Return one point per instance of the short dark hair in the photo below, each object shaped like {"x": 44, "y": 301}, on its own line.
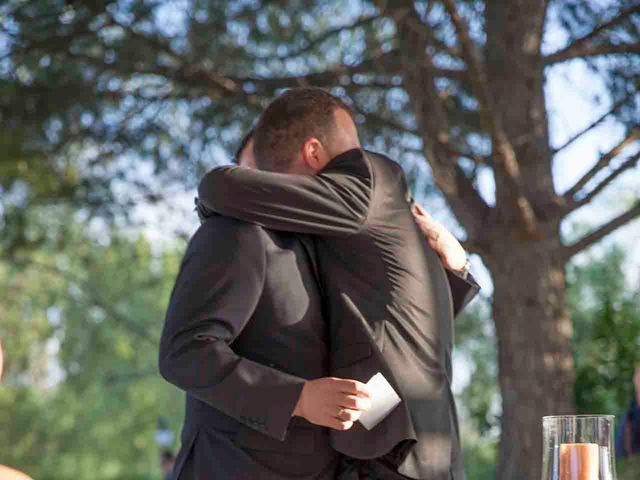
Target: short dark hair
{"x": 243, "y": 144}
{"x": 289, "y": 120}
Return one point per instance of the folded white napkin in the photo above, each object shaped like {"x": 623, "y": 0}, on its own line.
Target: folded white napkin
{"x": 383, "y": 400}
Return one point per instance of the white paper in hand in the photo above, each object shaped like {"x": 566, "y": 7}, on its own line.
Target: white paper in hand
{"x": 383, "y": 400}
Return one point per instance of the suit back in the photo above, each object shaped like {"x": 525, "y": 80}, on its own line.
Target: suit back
{"x": 240, "y": 396}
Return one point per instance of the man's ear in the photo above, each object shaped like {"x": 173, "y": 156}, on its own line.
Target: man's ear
{"x": 314, "y": 154}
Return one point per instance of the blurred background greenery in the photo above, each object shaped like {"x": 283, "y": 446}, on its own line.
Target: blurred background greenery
{"x": 110, "y": 110}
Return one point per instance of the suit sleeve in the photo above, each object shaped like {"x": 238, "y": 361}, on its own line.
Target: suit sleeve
{"x": 463, "y": 290}
{"x": 218, "y": 287}
{"x": 334, "y": 202}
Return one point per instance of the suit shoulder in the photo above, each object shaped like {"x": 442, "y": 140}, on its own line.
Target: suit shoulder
{"x": 223, "y": 232}
{"x": 384, "y": 166}
{"x": 384, "y": 161}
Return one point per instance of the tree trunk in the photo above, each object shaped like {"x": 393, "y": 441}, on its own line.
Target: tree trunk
{"x": 529, "y": 305}
{"x": 534, "y": 342}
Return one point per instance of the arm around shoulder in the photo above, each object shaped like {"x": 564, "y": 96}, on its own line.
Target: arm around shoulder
{"x": 333, "y": 202}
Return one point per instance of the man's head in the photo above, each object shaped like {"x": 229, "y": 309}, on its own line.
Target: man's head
{"x": 301, "y": 130}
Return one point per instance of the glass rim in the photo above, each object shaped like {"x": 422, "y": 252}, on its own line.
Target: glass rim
{"x": 581, "y": 417}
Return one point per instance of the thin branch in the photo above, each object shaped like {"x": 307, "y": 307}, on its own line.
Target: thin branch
{"x": 616, "y": 106}
{"x": 383, "y": 63}
{"x": 385, "y": 122}
{"x": 604, "y": 161}
{"x": 470, "y": 55}
{"x": 584, "y": 43}
{"x": 588, "y": 240}
{"x": 626, "y": 165}
{"x": 312, "y": 43}
{"x": 593, "y": 51}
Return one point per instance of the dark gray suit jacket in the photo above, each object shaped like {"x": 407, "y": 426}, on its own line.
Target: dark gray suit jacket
{"x": 391, "y": 303}
{"x": 242, "y": 333}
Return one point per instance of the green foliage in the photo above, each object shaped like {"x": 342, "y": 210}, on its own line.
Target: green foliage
{"x": 480, "y": 457}
{"x": 475, "y": 339}
{"x": 629, "y": 468}
{"x": 82, "y": 397}
{"x": 606, "y": 316}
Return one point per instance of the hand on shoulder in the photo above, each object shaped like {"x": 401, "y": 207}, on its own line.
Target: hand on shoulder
{"x": 447, "y": 246}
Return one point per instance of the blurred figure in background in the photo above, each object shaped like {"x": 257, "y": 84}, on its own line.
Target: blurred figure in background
{"x": 167, "y": 460}
{"x": 7, "y": 473}
{"x": 628, "y": 437}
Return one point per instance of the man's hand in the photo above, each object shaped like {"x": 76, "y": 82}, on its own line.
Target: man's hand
{"x": 333, "y": 402}
{"x": 441, "y": 240}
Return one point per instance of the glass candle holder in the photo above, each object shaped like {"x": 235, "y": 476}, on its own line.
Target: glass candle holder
{"x": 578, "y": 447}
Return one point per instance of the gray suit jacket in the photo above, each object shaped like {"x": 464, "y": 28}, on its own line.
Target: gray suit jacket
{"x": 391, "y": 303}
{"x": 242, "y": 332}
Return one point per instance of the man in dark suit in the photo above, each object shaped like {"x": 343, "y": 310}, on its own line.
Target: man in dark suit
{"x": 390, "y": 300}
{"x": 245, "y": 338}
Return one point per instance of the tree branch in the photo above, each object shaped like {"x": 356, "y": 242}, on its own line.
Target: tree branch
{"x": 626, "y": 165}
{"x": 604, "y": 161}
{"x": 616, "y": 106}
{"x": 471, "y": 57}
{"x": 588, "y": 240}
{"x": 584, "y": 44}
{"x": 383, "y": 64}
{"x": 312, "y": 43}
{"x": 593, "y": 51}
{"x": 385, "y": 122}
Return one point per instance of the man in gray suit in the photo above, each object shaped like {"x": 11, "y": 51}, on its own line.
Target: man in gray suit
{"x": 390, "y": 300}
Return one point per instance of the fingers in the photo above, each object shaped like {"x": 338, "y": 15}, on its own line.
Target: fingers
{"x": 352, "y": 387}
{"x": 348, "y": 415}
{"x": 347, "y": 403}
{"x": 354, "y": 402}
{"x": 420, "y": 212}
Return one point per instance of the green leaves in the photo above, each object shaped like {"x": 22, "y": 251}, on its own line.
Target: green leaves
{"x": 81, "y": 395}
{"x": 606, "y": 325}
